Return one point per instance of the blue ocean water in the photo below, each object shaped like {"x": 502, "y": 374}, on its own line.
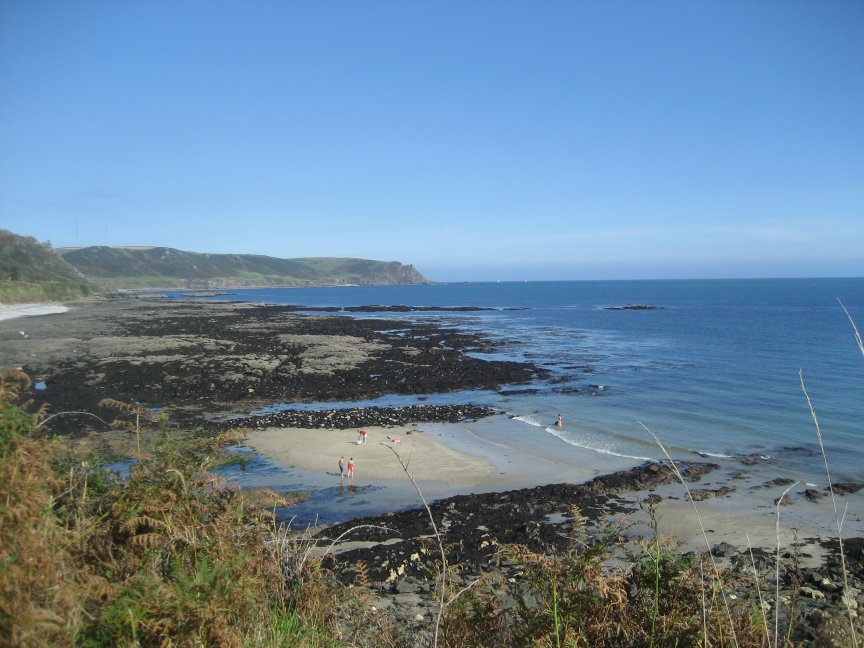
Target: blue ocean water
{"x": 714, "y": 369}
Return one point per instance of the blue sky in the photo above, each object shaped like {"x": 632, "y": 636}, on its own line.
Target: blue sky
{"x": 476, "y": 140}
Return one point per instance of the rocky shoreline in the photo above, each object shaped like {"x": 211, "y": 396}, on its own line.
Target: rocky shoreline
{"x": 534, "y": 517}
{"x": 396, "y": 555}
{"x": 217, "y": 364}
{"x": 201, "y": 358}
{"x": 343, "y": 419}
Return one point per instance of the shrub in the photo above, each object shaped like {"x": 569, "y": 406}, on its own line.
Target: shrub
{"x": 167, "y": 556}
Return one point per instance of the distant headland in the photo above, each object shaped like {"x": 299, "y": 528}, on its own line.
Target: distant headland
{"x": 31, "y": 271}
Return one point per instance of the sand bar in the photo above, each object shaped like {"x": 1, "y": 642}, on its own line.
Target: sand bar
{"x": 428, "y": 459}
{"x": 11, "y": 311}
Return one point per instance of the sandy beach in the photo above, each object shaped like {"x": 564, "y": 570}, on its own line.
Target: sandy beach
{"x": 490, "y": 477}
{"x": 447, "y": 460}
{"x": 427, "y": 458}
{"x": 13, "y": 311}
{"x": 488, "y": 454}
{"x": 238, "y": 357}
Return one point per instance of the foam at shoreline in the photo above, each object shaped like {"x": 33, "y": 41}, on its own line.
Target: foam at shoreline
{"x": 500, "y": 453}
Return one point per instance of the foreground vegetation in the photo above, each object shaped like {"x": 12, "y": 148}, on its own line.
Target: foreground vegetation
{"x": 170, "y": 556}
{"x": 166, "y": 556}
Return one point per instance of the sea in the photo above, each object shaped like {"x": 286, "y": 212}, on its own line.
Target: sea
{"x": 713, "y": 370}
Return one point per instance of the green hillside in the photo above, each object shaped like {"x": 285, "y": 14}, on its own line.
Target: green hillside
{"x": 23, "y": 258}
{"x": 161, "y": 267}
{"x": 32, "y": 272}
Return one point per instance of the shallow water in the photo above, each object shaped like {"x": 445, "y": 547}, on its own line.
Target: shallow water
{"x": 714, "y": 369}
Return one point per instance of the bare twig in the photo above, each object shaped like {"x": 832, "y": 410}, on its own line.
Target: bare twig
{"x": 701, "y": 526}
{"x": 759, "y": 593}
{"x": 284, "y": 544}
{"x": 704, "y": 605}
{"x": 777, "y": 566}
{"x": 858, "y": 340}
{"x": 441, "y": 605}
{"x": 352, "y": 530}
{"x": 460, "y": 593}
{"x": 837, "y": 518}
{"x": 182, "y": 479}
{"x": 45, "y": 420}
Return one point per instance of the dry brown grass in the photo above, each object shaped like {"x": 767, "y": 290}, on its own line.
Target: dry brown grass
{"x": 33, "y": 610}
{"x": 167, "y": 556}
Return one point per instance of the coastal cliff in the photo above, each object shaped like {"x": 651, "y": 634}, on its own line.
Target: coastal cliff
{"x": 162, "y": 267}
{"x": 31, "y": 271}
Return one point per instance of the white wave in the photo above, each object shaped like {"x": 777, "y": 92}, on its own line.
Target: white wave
{"x": 530, "y": 420}
{"x": 718, "y": 455}
{"x": 605, "y": 451}
{"x": 485, "y": 440}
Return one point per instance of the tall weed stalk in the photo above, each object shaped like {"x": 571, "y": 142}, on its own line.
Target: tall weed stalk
{"x": 716, "y": 571}
{"x": 838, "y": 519}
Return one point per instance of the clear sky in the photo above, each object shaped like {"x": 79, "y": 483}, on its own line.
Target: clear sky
{"x": 474, "y": 139}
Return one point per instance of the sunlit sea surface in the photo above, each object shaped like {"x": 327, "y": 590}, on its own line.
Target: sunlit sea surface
{"x": 714, "y": 369}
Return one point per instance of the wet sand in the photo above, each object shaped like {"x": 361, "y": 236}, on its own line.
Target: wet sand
{"x": 215, "y": 357}
{"x": 426, "y": 457}
{"x": 486, "y": 478}
{"x": 448, "y": 460}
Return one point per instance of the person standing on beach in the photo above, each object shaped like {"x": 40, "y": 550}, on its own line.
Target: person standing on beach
{"x": 341, "y": 466}
{"x": 351, "y": 467}
{"x": 560, "y": 421}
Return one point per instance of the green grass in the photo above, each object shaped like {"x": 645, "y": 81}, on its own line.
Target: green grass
{"x": 161, "y": 282}
{"x": 139, "y": 282}
{"x": 258, "y": 279}
{"x": 19, "y": 292}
